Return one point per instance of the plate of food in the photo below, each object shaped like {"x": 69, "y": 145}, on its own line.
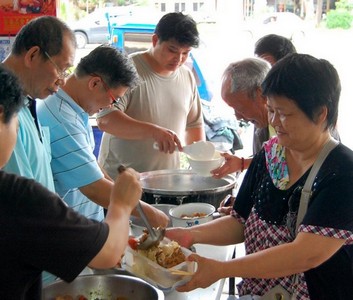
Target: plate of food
{"x": 163, "y": 265}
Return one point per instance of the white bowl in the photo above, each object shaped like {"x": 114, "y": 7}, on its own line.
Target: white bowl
{"x": 204, "y": 167}
{"x": 189, "y": 211}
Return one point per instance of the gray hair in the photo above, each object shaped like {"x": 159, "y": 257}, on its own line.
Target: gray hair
{"x": 247, "y": 75}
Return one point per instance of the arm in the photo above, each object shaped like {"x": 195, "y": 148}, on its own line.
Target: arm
{"x": 215, "y": 232}
{"x": 98, "y": 191}
{"x": 194, "y": 135}
{"x": 155, "y": 216}
{"x": 121, "y": 125}
{"x": 125, "y": 194}
{"x": 279, "y": 261}
{"x": 232, "y": 164}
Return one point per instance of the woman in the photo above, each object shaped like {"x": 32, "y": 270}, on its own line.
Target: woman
{"x": 38, "y": 231}
{"x": 302, "y": 99}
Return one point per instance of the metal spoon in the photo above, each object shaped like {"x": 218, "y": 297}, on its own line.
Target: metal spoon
{"x": 154, "y": 235}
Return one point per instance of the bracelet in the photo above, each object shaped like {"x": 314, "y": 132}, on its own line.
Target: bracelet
{"x": 242, "y": 164}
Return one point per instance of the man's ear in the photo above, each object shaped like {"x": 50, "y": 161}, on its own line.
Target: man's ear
{"x": 259, "y": 95}
{"x": 154, "y": 39}
{"x": 93, "y": 82}
{"x": 32, "y": 55}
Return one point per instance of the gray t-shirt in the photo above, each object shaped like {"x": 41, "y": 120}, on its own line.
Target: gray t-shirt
{"x": 171, "y": 102}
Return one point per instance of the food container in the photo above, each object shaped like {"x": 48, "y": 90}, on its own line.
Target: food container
{"x": 204, "y": 167}
{"x": 137, "y": 225}
{"x": 184, "y": 186}
{"x": 108, "y": 287}
{"x": 153, "y": 273}
{"x": 190, "y": 214}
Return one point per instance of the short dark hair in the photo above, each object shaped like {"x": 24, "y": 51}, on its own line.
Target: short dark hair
{"x": 11, "y": 98}
{"x": 276, "y": 45}
{"x": 309, "y": 82}
{"x": 46, "y": 32}
{"x": 179, "y": 27}
{"x": 114, "y": 66}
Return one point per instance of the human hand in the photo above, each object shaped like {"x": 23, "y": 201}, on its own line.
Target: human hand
{"x": 208, "y": 271}
{"x": 226, "y": 205}
{"x": 156, "y": 217}
{"x": 231, "y": 164}
{"x": 180, "y": 235}
{"x": 127, "y": 189}
{"x": 166, "y": 139}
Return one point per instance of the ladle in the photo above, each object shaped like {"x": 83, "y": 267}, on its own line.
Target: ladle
{"x": 201, "y": 150}
{"x": 154, "y": 235}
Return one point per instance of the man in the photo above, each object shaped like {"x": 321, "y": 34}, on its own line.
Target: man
{"x": 42, "y": 52}
{"x": 100, "y": 79}
{"x": 273, "y": 47}
{"x": 38, "y": 231}
{"x": 165, "y": 108}
{"x": 241, "y": 90}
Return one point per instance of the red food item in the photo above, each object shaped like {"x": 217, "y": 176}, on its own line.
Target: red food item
{"x": 133, "y": 243}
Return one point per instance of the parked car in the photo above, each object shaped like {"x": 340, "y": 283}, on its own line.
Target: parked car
{"x": 286, "y": 24}
{"x": 93, "y": 28}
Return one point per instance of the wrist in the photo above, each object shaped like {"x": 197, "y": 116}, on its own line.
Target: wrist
{"x": 242, "y": 164}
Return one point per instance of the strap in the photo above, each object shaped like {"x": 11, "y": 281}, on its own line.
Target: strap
{"x": 306, "y": 191}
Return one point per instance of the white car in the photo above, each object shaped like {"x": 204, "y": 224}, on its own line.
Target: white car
{"x": 286, "y": 24}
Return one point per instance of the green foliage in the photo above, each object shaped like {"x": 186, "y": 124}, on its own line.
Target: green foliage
{"x": 342, "y": 16}
{"x": 339, "y": 18}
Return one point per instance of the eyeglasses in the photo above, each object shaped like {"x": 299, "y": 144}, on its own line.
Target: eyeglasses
{"x": 62, "y": 74}
{"x": 106, "y": 87}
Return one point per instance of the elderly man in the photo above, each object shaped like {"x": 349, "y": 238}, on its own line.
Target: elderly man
{"x": 42, "y": 52}
{"x": 241, "y": 90}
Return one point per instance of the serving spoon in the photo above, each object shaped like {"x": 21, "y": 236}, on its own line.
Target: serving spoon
{"x": 201, "y": 150}
{"x": 155, "y": 235}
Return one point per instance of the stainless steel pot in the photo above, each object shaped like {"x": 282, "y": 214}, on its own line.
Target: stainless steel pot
{"x": 107, "y": 287}
{"x": 184, "y": 186}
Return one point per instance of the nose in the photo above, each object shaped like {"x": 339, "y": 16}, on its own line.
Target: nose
{"x": 273, "y": 118}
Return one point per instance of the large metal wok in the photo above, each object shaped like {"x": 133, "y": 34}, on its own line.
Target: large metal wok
{"x": 184, "y": 186}
{"x": 107, "y": 287}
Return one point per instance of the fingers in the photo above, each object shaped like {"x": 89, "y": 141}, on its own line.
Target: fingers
{"x": 168, "y": 141}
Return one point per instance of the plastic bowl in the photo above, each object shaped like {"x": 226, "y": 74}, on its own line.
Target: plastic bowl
{"x": 186, "y": 215}
{"x": 204, "y": 167}
{"x": 153, "y": 273}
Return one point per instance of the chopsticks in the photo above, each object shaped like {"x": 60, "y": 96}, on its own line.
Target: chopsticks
{"x": 180, "y": 272}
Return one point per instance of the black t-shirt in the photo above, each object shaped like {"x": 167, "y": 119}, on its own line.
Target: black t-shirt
{"x": 39, "y": 232}
{"x": 330, "y": 210}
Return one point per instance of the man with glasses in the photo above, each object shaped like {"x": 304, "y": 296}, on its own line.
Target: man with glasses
{"x": 41, "y": 55}
{"x": 100, "y": 78}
